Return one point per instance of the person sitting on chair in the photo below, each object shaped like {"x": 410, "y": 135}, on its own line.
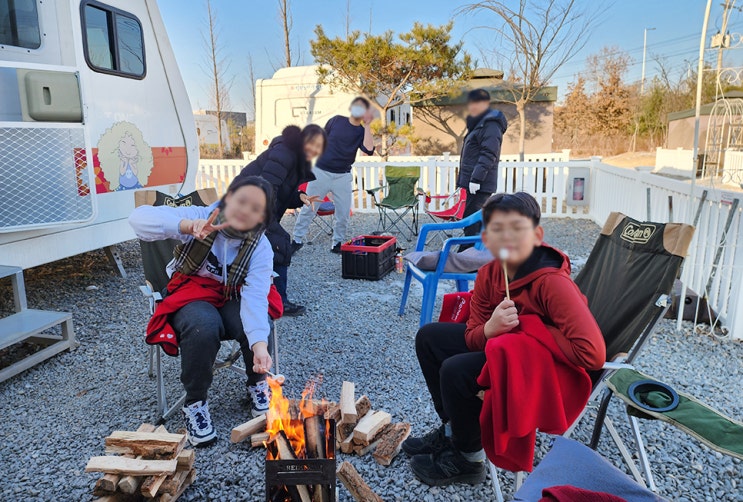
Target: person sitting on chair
{"x": 451, "y": 356}
{"x": 219, "y": 283}
{"x": 287, "y": 164}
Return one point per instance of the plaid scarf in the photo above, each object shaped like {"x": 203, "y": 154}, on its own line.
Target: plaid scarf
{"x": 191, "y": 255}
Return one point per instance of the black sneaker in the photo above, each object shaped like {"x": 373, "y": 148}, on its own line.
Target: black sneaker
{"x": 430, "y": 443}
{"x": 446, "y": 467}
{"x": 296, "y": 246}
{"x": 336, "y": 249}
{"x": 293, "y": 310}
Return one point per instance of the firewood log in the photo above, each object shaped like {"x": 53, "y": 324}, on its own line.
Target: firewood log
{"x": 353, "y": 482}
{"x": 166, "y": 497}
{"x": 186, "y": 459}
{"x": 131, "y": 466}
{"x": 259, "y": 439}
{"x": 151, "y": 485}
{"x": 390, "y": 442}
{"x": 368, "y": 426}
{"x": 151, "y": 445}
{"x": 109, "y": 482}
{"x": 286, "y": 452}
{"x": 363, "y": 405}
{"x": 348, "y": 403}
{"x": 243, "y": 431}
{"x": 333, "y": 412}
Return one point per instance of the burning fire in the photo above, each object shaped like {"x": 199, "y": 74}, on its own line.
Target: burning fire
{"x": 285, "y": 415}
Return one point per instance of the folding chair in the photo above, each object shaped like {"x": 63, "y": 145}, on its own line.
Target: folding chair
{"x": 451, "y": 209}
{"x": 627, "y": 279}
{"x": 325, "y": 211}
{"x": 430, "y": 279}
{"x": 396, "y": 199}
{"x": 155, "y": 257}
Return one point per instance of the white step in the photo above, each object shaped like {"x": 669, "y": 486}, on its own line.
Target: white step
{"x": 17, "y": 327}
{"x": 7, "y": 271}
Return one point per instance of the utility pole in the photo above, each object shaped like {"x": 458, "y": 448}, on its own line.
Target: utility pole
{"x": 723, "y": 41}
{"x": 644, "y": 56}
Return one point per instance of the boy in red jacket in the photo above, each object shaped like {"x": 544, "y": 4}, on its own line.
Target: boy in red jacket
{"x": 452, "y": 356}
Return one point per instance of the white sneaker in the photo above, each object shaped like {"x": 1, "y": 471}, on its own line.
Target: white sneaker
{"x": 260, "y": 393}
{"x": 199, "y": 424}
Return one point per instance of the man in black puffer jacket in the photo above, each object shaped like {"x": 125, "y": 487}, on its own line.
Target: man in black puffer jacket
{"x": 478, "y": 164}
{"x": 286, "y": 165}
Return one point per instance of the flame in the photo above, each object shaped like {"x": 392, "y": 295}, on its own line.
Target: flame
{"x": 280, "y": 415}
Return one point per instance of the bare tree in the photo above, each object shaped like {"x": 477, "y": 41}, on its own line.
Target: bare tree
{"x": 287, "y": 23}
{"x": 216, "y": 67}
{"x": 538, "y": 37}
{"x": 251, "y": 78}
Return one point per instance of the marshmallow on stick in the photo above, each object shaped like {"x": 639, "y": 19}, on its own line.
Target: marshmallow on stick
{"x": 503, "y": 255}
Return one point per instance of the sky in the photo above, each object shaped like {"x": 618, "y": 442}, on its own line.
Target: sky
{"x": 251, "y": 29}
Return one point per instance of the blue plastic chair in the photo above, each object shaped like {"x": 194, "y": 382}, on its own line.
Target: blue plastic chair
{"x": 430, "y": 278}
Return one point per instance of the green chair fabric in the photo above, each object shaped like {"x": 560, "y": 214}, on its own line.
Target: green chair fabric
{"x": 709, "y": 426}
{"x": 399, "y": 199}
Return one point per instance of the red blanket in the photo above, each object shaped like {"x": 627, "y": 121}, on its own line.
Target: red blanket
{"x": 182, "y": 289}
{"x": 567, "y": 493}
{"x": 530, "y": 385}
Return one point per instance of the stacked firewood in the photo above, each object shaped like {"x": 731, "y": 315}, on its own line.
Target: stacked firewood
{"x": 361, "y": 430}
{"x": 149, "y": 464}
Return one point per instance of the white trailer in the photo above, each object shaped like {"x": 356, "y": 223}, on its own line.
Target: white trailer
{"x": 294, "y": 96}
{"x": 92, "y": 108}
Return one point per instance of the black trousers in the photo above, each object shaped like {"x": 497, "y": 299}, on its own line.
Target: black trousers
{"x": 201, "y": 327}
{"x": 474, "y": 203}
{"x": 451, "y": 372}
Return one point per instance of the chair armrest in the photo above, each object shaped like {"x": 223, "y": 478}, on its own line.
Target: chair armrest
{"x": 372, "y": 191}
{"x": 616, "y": 366}
{"x": 446, "y": 249}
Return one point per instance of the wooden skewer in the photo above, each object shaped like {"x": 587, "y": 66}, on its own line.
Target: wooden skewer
{"x": 503, "y": 255}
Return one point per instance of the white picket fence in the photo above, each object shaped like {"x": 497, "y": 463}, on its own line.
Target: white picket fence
{"x": 677, "y": 160}
{"x": 637, "y": 193}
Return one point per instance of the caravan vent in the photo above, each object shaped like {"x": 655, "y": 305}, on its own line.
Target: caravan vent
{"x": 44, "y": 177}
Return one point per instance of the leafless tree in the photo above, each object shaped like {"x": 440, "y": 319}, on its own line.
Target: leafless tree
{"x": 537, "y": 37}
{"x": 251, "y": 78}
{"x": 216, "y": 67}
{"x": 287, "y": 23}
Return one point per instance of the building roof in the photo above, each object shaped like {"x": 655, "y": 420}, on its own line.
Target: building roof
{"x": 706, "y": 109}
{"x": 499, "y": 93}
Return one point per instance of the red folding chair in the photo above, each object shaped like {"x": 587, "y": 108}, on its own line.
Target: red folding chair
{"x": 324, "y": 217}
{"x": 450, "y": 207}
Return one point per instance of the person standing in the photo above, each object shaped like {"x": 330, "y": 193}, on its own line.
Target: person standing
{"x": 346, "y": 135}
{"x": 478, "y": 164}
{"x": 286, "y": 165}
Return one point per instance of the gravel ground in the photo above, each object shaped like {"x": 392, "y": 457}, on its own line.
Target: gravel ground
{"x": 57, "y": 414}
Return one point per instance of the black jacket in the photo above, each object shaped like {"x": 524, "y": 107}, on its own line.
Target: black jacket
{"x": 285, "y": 167}
{"x": 481, "y": 152}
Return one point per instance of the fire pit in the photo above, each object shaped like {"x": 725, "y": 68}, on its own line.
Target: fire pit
{"x": 300, "y": 458}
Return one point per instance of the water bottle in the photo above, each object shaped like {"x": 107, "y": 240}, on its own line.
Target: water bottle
{"x": 399, "y": 263}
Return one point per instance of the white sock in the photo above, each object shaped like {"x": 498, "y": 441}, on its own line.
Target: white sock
{"x": 475, "y": 456}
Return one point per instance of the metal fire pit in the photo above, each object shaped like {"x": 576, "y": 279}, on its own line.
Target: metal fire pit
{"x": 283, "y": 475}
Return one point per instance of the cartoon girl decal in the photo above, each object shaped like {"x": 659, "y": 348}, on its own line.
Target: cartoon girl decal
{"x": 126, "y": 159}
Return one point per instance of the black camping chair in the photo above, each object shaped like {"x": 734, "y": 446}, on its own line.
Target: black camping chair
{"x": 155, "y": 257}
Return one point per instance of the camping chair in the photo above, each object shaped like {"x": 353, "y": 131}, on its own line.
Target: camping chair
{"x": 396, "y": 199}
{"x": 627, "y": 279}
{"x": 450, "y": 209}
{"x": 430, "y": 279}
{"x": 324, "y": 218}
{"x": 155, "y": 257}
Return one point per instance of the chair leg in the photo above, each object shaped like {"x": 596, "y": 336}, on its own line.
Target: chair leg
{"x": 518, "y": 480}
{"x": 429, "y": 299}
{"x": 162, "y": 400}
{"x": 634, "y": 424}
{"x": 275, "y": 348}
{"x": 463, "y": 285}
{"x": 405, "y": 292}
{"x": 496, "y": 483}
{"x": 151, "y": 360}
{"x": 600, "y": 418}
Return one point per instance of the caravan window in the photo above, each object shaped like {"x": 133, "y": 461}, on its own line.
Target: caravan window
{"x": 19, "y": 24}
{"x": 113, "y": 41}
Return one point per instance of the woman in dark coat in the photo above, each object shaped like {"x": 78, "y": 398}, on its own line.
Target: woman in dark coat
{"x": 286, "y": 165}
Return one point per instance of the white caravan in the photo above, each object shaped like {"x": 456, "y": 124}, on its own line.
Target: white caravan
{"x": 92, "y": 108}
{"x": 294, "y": 96}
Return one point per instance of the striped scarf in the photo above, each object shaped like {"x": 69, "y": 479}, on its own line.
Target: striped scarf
{"x": 190, "y": 256}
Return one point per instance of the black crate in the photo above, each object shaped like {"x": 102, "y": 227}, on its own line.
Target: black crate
{"x": 369, "y": 257}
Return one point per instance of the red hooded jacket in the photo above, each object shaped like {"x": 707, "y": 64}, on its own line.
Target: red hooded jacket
{"x": 543, "y": 287}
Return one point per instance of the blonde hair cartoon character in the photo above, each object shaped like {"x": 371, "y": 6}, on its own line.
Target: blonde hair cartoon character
{"x": 125, "y": 157}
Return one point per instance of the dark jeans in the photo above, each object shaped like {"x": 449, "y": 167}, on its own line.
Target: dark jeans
{"x": 473, "y": 204}
{"x": 281, "y": 280}
{"x": 451, "y": 372}
{"x": 201, "y": 327}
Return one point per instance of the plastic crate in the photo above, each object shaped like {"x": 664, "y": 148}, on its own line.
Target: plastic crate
{"x": 369, "y": 257}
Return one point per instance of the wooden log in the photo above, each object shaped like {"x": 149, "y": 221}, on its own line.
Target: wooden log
{"x": 130, "y": 484}
{"x": 108, "y": 482}
{"x": 390, "y": 442}
{"x": 347, "y": 445}
{"x": 186, "y": 459}
{"x": 244, "y": 431}
{"x": 173, "y": 483}
{"x": 151, "y": 485}
{"x": 368, "y": 427}
{"x": 348, "y": 403}
{"x": 131, "y": 466}
{"x": 351, "y": 479}
{"x": 286, "y": 452}
{"x": 343, "y": 430}
{"x": 362, "y": 450}
{"x": 155, "y": 445}
{"x": 363, "y": 405}
{"x": 166, "y": 497}
{"x": 259, "y": 440}
{"x": 314, "y": 436}
{"x": 333, "y": 413}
